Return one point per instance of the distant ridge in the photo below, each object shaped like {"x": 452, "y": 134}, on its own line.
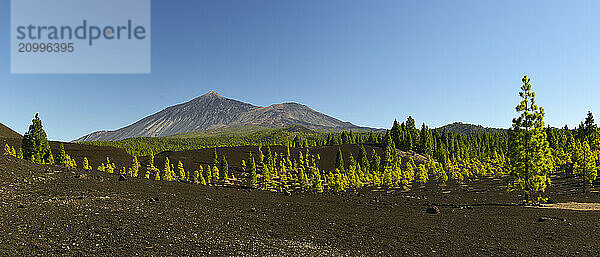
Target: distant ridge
{"x": 7, "y": 132}
{"x": 213, "y": 111}
{"x": 466, "y": 128}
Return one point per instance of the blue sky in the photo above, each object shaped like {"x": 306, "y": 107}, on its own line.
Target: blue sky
{"x": 366, "y": 62}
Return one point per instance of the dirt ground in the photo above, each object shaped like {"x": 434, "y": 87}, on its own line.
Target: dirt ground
{"x": 49, "y": 210}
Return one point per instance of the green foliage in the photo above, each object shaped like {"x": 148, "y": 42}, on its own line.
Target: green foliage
{"x": 135, "y": 167}
{"x": 181, "y": 170}
{"x": 339, "y": 160}
{"x": 253, "y": 179}
{"x": 584, "y": 164}
{"x": 421, "y": 175}
{"x": 86, "y": 164}
{"x": 20, "y": 153}
{"x": 530, "y": 159}
{"x": 35, "y": 143}
{"x": 167, "y": 171}
{"x": 61, "y": 157}
{"x": 224, "y": 169}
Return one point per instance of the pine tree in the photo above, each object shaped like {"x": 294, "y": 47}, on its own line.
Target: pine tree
{"x": 339, "y": 161}
{"x": 151, "y": 161}
{"x": 363, "y": 159}
{"x": 35, "y": 143}
{"x": 224, "y": 169}
{"x": 61, "y": 157}
{"x": 530, "y": 159}
{"x": 585, "y": 165}
{"x": 7, "y": 150}
{"x": 135, "y": 167}
{"x": 375, "y": 161}
{"x": 110, "y": 168}
{"x": 181, "y": 170}
{"x": 167, "y": 170}
{"x": 215, "y": 174}
{"x": 422, "y": 175}
{"x": 317, "y": 180}
{"x": 252, "y": 167}
{"x": 215, "y": 158}
{"x": 157, "y": 175}
{"x": 101, "y": 167}
{"x": 195, "y": 177}
{"x": 86, "y": 164}
{"x": 243, "y": 165}
{"x": 20, "y": 153}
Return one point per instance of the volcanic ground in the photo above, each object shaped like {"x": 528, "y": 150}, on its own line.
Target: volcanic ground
{"x": 51, "y": 210}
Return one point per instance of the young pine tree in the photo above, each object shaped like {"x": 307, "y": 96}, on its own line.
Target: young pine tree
{"x": 20, "y": 153}
{"x": 252, "y": 180}
{"x": 167, "y": 170}
{"x": 530, "y": 159}
{"x": 7, "y": 150}
{"x": 86, "y": 164}
{"x": 181, "y": 170}
{"x": 61, "y": 157}
{"x": 339, "y": 160}
{"x": 585, "y": 165}
{"x": 35, "y": 143}
{"x": 215, "y": 174}
{"x": 224, "y": 169}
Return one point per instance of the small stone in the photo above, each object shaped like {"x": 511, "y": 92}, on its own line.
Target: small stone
{"x": 432, "y": 209}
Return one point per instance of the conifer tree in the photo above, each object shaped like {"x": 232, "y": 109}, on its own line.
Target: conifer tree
{"x": 110, "y": 168}
{"x": 20, "y": 153}
{"x": 147, "y": 174}
{"x": 585, "y": 165}
{"x": 317, "y": 181}
{"x": 13, "y": 153}
{"x": 181, "y": 170}
{"x": 339, "y": 161}
{"x": 86, "y": 164}
{"x": 375, "y": 161}
{"x": 61, "y": 157}
{"x": 101, "y": 167}
{"x": 7, "y": 150}
{"x": 35, "y": 143}
{"x": 243, "y": 165}
{"x": 363, "y": 159}
{"x": 422, "y": 175}
{"x": 530, "y": 159}
{"x": 195, "y": 177}
{"x": 252, "y": 167}
{"x": 215, "y": 158}
{"x": 151, "y": 161}
{"x": 224, "y": 169}
{"x": 157, "y": 175}
{"x": 167, "y": 170}
{"x": 135, "y": 167}
{"x": 215, "y": 174}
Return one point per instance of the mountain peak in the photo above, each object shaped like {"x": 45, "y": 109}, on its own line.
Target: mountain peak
{"x": 212, "y": 93}
{"x": 211, "y": 111}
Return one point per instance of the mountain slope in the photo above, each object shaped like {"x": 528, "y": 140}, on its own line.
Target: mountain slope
{"x": 212, "y": 111}
{"x": 466, "y": 128}
{"x": 6, "y": 132}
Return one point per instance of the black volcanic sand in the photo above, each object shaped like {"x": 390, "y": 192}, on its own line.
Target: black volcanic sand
{"x": 49, "y": 210}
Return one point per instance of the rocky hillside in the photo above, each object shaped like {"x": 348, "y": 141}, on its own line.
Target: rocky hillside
{"x": 6, "y": 132}
{"x": 212, "y": 111}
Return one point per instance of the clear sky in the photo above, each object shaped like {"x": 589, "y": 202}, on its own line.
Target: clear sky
{"x": 366, "y": 62}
